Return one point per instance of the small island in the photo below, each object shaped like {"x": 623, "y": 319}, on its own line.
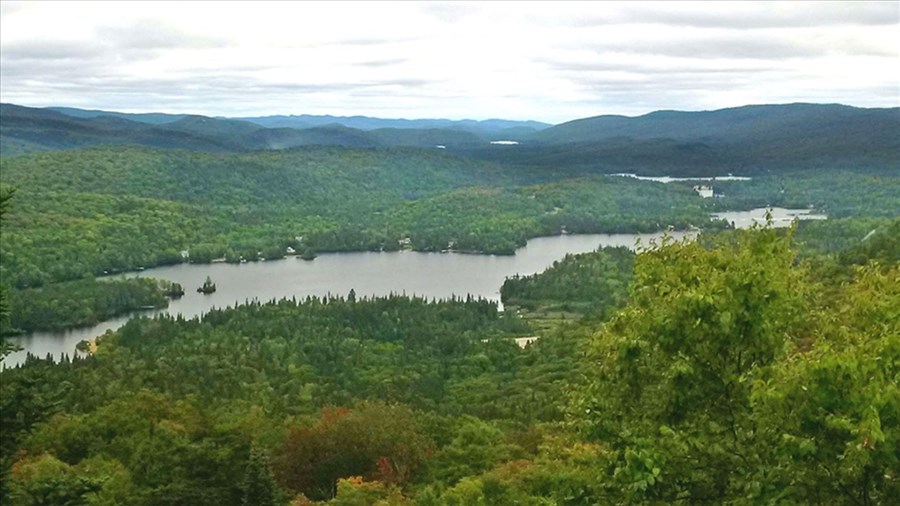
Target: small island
{"x": 172, "y": 290}
{"x": 208, "y": 287}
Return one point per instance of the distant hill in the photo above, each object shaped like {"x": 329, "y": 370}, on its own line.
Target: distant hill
{"x": 155, "y": 118}
{"x": 234, "y": 132}
{"x": 746, "y": 140}
{"x": 285, "y": 138}
{"x": 748, "y": 123}
{"x": 487, "y": 128}
{"x": 27, "y": 129}
{"x": 326, "y": 135}
{"x": 742, "y": 140}
{"x": 484, "y": 127}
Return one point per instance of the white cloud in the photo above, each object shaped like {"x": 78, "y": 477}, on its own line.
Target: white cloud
{"x": 548, "y": 61}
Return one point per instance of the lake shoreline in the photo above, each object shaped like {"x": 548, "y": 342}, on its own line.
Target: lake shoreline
{"x": 437, "y": 275}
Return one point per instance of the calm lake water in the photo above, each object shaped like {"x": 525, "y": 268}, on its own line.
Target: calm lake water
{"x": 438, "y": 275}
{"x": 780, "y": 217}
{"x": 669, "y": 179}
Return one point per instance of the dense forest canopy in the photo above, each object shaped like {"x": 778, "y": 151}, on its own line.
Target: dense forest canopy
{"x": 753, "y": 139}
{"x": 80, "y": 213}
{"x": 731, "y": 372}
{"x": 89, "y": 212}
{"x": 744, "y": 367}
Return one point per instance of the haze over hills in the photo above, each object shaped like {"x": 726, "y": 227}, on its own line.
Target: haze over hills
{"x": 26, "y": 129}
{"x": 156, "y": 118}
{"x": 745, "y": 139}
{"x": 751, "y": 122}
{"x": 369, "y": 123}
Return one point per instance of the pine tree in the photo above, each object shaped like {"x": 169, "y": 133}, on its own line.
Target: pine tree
{"x": 5, "y": 346}
{"x": 259, "y": 487}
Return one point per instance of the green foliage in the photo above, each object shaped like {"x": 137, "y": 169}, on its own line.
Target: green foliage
{"x": 355, "y": 491}
{"x": 83, "y": 302}
{"x": 6, "y": 348}
{"x": 727, "y": 379}
{"x": 476, "y": 447}
{"x": 258, "y": 487}
{"x": 837, "y": 192}
{"x": 182, "y": 429}
{"x": 592, "y": 283}
{"x": 882, "y": 245}
{"x": 46, "y": 480}
{"x": 104, "y": 210}
{"x": 735, "y": 373}
{"x": 836, "y": 236}
{"x": 756, "y": 139}
{"x": 174, "y": 452}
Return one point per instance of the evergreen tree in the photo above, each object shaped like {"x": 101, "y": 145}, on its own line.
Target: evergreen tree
{"x": 259, "y": 488}
{"x": 5, "y": 347}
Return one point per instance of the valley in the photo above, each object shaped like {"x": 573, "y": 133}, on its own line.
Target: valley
{"x": 400, "y": 323}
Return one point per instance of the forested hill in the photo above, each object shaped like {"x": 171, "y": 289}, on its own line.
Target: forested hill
{"x": 301, "y": 121}
{"x": 115, "y": 208}
{"x": 746, "y": 140}
{"x": 155, "y": 118}
{"x": 760, "y": 123}
{"x": 491, "y": 126}
{"x": 25, "y": 129}
{"x": 719, "y": 371}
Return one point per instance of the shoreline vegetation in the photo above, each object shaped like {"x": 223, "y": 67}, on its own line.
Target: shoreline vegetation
{"x": 105, "y": 210}
{"x": 69, "y": 305}
{"x": 72, "y": 304}
{"x": 767, "y": 355}
{"x": 438, "y": 402}
{"x": 576, "y": 286}
{"x": 452, "y": 216}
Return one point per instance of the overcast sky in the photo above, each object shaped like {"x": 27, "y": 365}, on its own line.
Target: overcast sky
{"x": 546, "y": 61}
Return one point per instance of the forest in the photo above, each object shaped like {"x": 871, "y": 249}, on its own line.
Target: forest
{"x": 78, "y": 214}
{"x": 753, "y": 139}
{"x": 106, "y": 210}
{"x": 83, "y": 302}
{"x": 98, "y": 211}
{"x": 744, "y": 367}
{"x": 732, "y": 369}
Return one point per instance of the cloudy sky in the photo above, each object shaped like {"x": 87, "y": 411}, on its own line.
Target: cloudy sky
{"x": 545, "y": 61}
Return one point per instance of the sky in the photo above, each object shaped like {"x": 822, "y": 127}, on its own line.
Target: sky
{"x": 549, "y": 62}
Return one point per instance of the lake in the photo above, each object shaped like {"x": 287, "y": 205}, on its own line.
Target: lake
{"x": 780, "y": 217}
{"x": 438, "y": 275}
{"x": 669, "y": 179}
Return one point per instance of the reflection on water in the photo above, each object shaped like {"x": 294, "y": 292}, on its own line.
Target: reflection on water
{"x": 432, "y": 275}
{"x": 437, "y": 275}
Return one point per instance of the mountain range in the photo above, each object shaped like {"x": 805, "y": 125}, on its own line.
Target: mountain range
{"x": 745, "y": 139}
{"x": 749, "y": 139}
{"x": 26, "y": 129}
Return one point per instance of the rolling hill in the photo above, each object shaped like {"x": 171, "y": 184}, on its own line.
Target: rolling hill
{"x": 26, "y": 129}
{"x": 31, "y": 129}
{"x": 488, "y": 127}
{"x": 745, "y": 140}
{"x": 753, "y": 123}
